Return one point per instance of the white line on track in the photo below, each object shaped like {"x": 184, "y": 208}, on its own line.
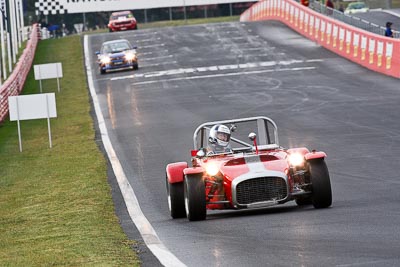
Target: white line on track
{"x": 148, "y": 40}
{"x": 150, "y": 46}
{"x": 143, "y": 34}
{"x": 224, "y": 75}
{"x": 367, "y": 263}
{"x": 255, "y": 48}
{"x": 155, "y": 58}
{"x": 158, "y": 64}
{"x": 150, "y": 53}
{"x": 314, "y": 60}
{"x": 249, "y": 65}
{"x": 143, "y": 225}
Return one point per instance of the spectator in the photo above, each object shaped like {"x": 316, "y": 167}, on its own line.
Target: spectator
{"x": 341, "y": 8}
{"x": 330, "y": 7}
{"x": 389, "y": 32}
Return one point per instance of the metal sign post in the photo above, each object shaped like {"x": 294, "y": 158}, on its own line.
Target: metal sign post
{"x": 48, "y": 71}
{"x": 29, "y": 107}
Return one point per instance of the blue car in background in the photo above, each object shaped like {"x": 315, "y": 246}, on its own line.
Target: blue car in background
{"x": 117, "y": 55}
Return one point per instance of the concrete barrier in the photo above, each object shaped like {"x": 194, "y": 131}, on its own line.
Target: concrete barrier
{"x": 14, "y": 84}
{"x": 373, "y": 51}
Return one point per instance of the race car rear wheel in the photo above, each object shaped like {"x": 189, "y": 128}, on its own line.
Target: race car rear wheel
{"x": 102, "y": 71}
{"x": 176, "y": 201}
{"x": 195, "y": 197}
{"x": 321, "y": 184}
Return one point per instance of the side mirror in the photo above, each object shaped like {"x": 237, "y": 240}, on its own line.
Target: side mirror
{"x": 201, "y": 153}
{"x": 252, "y": 136}
{"x": 233, "y": 127}
{"x": 97, "y": 53}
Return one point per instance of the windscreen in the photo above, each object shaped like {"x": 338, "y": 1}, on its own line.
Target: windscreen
{"x": 264, "y": 130}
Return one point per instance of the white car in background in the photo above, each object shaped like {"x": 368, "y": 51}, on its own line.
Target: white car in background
{"x": 356, "y": 7}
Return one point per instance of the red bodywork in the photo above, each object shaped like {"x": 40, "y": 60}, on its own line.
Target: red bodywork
{"x": 253, "y": 171}
{"x": 122, "y": 21}
{"x": 234, "y": 166}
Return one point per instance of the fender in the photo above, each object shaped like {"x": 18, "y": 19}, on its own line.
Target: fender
{"x": 175, "y": 172}
{"x": 195, "y": 170}
{"x": 301, "y": 150}
{"x": 315, "y": 155}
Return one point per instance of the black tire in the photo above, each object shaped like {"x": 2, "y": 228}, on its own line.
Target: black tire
{"x": 195, "y": 197}
{"x": 321, "y": 184}
{"x": 102, "y": 71}
{"x": 176, "y": 201}
{"x": 303, "y": 201}
{"x": 136, "y": 66}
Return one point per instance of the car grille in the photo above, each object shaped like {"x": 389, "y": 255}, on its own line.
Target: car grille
{"x": 260, "y": 190}
{"x": 117, "y": 58}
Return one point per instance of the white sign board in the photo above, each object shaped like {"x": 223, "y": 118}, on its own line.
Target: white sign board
{"x": 47, "y": 7}
{"x": 48, "y": 71}
{"x": 30, "y": 107}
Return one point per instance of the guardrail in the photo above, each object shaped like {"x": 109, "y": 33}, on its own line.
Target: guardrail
{"x": 352, "y": 20}
{"x": 15, "y": 82}
{"x": 373, "y": 51}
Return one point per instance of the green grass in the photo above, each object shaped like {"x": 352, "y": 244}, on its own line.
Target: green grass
{"x": 55, "y": 204}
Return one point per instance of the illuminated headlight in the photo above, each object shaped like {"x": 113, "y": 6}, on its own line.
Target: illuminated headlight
{"x": 130, "y": 56}
{"x": 296, "y": 159}
{"x": 105, "y": 60}
{"x": 212, "y": 169}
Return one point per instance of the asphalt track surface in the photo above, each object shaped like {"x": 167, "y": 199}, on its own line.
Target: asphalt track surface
{"x": 192, "y": 74}
{"x": 381, "y": 17}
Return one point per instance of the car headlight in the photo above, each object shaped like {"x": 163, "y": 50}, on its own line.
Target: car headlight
{"x": 105, "y": 60}
{"x": 296, "y": 159}
{"x": 130, "y": 56}
{"x": 212, "y": 169}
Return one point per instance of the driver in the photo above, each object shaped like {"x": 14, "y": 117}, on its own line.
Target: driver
{"x": 218, "y": 140}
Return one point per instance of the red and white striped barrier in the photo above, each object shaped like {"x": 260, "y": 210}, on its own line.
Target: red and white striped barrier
{"x": 15, "y": 83}
{"x": 375, "y": 52}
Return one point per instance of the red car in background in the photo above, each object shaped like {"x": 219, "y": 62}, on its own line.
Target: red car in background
{"x": 122, "y": 21}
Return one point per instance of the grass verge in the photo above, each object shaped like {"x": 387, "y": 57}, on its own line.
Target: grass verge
{"x": 55, "y": 204}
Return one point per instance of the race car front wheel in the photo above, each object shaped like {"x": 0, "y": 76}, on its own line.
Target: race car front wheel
{"x": 195, "y": 197}
{"x": 304, "y": 201}
{"x": 321, "y": 184}
{"x": 176, "y": 202}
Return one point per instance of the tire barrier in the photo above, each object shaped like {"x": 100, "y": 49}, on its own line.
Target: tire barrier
{"x": 373, "y": 51}
{"x": 15, "y": 83}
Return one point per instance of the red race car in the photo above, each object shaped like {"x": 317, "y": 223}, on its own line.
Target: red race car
{"x": 122, "y": 21}
{"x": 238, "y": 164}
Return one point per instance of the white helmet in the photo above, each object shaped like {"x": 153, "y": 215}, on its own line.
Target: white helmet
{"x": 219, "y": 135}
